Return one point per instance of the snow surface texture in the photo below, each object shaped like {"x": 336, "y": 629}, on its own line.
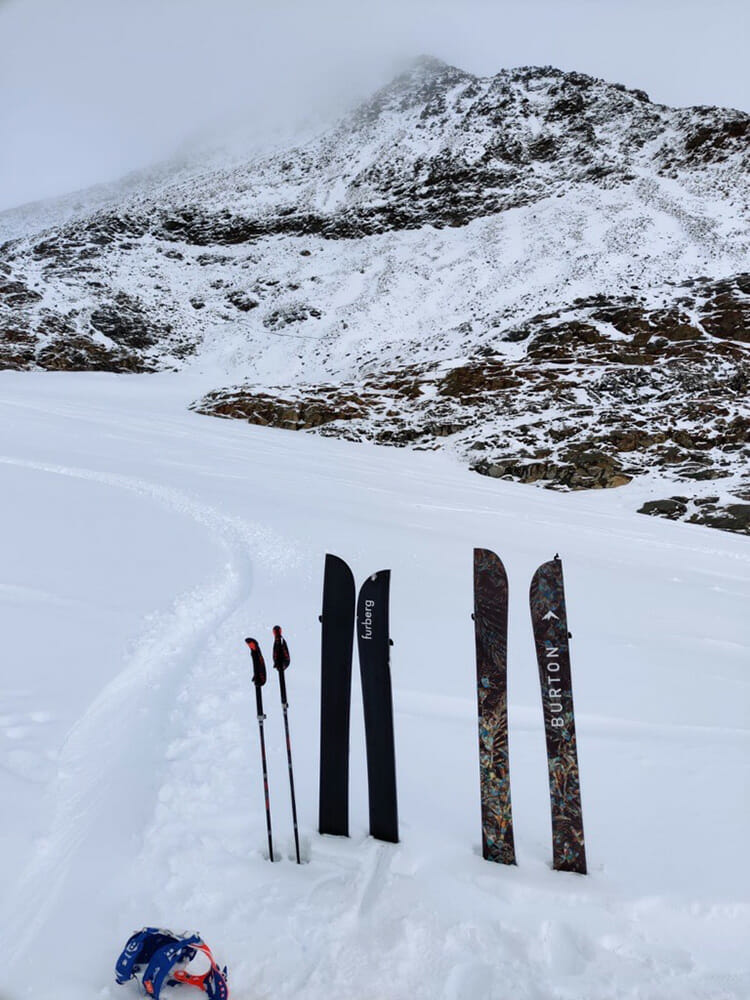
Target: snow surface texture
{"x": 584, "y": 251}
{"x": 141, "y": 543}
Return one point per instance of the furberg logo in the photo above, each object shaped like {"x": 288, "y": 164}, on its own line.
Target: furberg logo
{"x": 367, "y": 621}
{"x": 554, "y": 694}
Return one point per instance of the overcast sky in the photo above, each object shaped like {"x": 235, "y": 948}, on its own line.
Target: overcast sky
{"x": 90, "y": 89}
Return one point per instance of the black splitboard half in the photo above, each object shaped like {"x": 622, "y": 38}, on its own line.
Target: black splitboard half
{"x": 373, "y": 640}
{"x": 491, "y": 638}
{"x": 549, "y": 621}
{"x": 337, "y": 643}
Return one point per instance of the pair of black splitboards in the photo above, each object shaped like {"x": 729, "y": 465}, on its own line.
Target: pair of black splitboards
{"x": 373, "y": 641}
{"x": 549, "y": 622}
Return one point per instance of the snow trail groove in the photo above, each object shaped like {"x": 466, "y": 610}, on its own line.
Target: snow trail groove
{"x": 129, "y": 710}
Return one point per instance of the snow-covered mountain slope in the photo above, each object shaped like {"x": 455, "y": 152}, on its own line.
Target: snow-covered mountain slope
{"x": 543, "y": 272}
{"x": 142, "y": 542}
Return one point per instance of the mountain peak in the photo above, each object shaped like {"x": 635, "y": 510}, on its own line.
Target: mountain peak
{"x": 425, "y": 79}
{"x": 428, "y": 64}
{"x": 429, "y": 68}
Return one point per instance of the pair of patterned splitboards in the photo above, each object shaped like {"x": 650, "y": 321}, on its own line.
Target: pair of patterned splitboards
{"x": 373, "y": 640}
{"x": 549, "y": 622}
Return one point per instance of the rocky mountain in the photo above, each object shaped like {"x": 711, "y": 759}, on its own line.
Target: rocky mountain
{"x": 546, "y": 273}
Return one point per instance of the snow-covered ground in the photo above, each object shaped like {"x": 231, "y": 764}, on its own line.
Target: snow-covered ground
{"x": 140, "y": 543}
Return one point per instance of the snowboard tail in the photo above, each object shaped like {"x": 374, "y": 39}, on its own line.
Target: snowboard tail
{"x": 491, "y": 640}
{"x": 549, "y": 621}
{"x": 337, "y": 642}
{"x": 373, "y": 640}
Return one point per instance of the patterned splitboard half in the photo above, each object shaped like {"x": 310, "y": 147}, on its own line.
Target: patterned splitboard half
{"x": 549, "y": 621}
{"x": 373, "y": 639}
{"x": 491, "y": 637}
{"x": 337, "y": 644}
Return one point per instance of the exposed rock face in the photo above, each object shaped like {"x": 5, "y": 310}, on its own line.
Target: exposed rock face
{"x": 601, "y": 392}
{"x": 323, "y": 407}
{"x": 543, "y": 272}
{"x": 702, "y": 510}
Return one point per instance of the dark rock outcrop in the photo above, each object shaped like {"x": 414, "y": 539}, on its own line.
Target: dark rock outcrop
{"x": 709, "y": 511}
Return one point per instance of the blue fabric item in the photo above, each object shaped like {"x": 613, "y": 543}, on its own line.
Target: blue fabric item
{"x": 216, "y": 984}
{"x": 139, "y": 950}
{"x": 152, "y": 954}
{"x": 164, "y": 960}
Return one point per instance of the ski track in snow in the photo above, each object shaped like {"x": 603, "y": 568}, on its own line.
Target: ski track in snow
{"x": 125, "y": 713}
{"x": 423, "y": 919}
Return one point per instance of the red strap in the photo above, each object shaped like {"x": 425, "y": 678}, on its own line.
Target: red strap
{"x": 198, "y": 981}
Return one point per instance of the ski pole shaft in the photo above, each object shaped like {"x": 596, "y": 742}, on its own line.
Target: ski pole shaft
{"x": 291, "y": 773}
{"x": 261, "y": 717}
{"x": 281, "y": 661}
{"x": 259, "y": 679}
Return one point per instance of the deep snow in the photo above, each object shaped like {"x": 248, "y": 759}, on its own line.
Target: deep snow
{"x": 140, "y": 543}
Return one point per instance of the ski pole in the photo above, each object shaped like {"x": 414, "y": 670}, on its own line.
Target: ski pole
{"x": 259, "y": 679}
{"x": 281, "y": 660}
